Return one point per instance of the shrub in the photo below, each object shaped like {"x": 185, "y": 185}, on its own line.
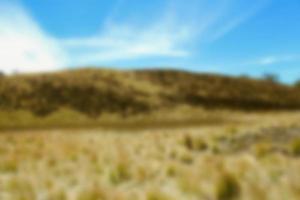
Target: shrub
{"x": 171, "y": 170}
{"x": 196, "y": 143}
{"x": 188, "y": 142}
{"x": 199, "y": 144}
{"x": 228, "y": 188}
{"x": 295, "y": 147}
{"x": 120, "y": 173}
{"x": 215, "y": 148}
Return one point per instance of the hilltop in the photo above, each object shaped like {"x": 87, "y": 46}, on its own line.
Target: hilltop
{"x": 97, "y": 91}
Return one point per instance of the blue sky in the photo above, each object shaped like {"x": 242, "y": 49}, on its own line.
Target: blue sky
{"x": 220, "y": 36}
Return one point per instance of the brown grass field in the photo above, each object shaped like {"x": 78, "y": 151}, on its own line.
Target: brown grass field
{"x": 247, "y": 156}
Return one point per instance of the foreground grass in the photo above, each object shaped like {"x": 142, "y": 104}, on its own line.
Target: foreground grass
{"x": 255, "y": 160}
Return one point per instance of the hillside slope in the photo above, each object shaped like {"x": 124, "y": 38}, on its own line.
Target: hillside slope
{"x": 97, "y": 91}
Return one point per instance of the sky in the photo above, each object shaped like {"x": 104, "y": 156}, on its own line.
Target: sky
{"x": 234, "y": 37}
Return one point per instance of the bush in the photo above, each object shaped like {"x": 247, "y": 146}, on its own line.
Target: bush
{"x": 228, "y": 188}
{"x": 194, "y": 143}
{"x": 295, "y": 147}
{"x": 171, "y": 171}
{"x": 188, "y": 142}
{"x": 120, "y": 173}
{"x": 199, "y": 144}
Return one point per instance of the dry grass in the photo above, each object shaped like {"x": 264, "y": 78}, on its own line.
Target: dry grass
{"x": 94, "y": 92}
{"x": 159, "y": 164}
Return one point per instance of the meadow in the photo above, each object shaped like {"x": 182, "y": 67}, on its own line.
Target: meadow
{"x": 253, "y": 158}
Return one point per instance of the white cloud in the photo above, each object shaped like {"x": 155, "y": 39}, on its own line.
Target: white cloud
{"x": 174, "y": 32}
{"x": 24, "y": 47}
{"x": 172, "y": 35}
{"x": 120, "y": 42}
{"x": 270, "y": 60}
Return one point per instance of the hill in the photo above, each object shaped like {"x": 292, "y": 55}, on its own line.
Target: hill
{"x": 97, "y": 91}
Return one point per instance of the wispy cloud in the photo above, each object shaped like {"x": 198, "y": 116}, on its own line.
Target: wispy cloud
{"x": 120, "y": 42}
{"x": 173, "y": 34}
{"x": 236, "y": 14}
{"x": 24, "y": 47}
{"x": 275, "y": 59}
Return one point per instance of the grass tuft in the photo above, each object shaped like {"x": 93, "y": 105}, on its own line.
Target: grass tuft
{"x": 295, "y": 147}
{"x": 228, "y": 187}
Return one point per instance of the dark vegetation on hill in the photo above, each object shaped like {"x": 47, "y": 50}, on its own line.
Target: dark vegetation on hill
{"x": 97, "y": 91}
